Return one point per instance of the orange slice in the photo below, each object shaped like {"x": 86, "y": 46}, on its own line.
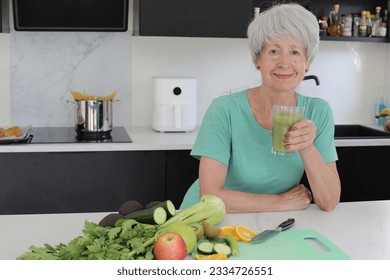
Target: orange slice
{"x": 244, "y": 233}
{"x": 218, "y": 256}
{"x": 228, "y": 229}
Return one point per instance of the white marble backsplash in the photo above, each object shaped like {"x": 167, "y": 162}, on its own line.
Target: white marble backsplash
{"x": 47, "y": 66}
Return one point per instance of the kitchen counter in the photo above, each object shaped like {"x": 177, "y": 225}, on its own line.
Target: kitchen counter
{"x": 360, "y": 229}
{"x": 144, "y": 138}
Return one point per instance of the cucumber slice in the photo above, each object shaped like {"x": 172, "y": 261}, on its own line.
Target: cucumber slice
{"x": 159, "y": 215}
{"x": 222, "y": 248}
{"x": 206, "y": 248}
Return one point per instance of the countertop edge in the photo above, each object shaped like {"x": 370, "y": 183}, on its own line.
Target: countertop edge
{"x": 144, "y": 138}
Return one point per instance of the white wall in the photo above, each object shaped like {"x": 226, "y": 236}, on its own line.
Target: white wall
{"x": 46, "y": 66}
{"x": 350, "y": 73}
{"x": 4, "y": 80}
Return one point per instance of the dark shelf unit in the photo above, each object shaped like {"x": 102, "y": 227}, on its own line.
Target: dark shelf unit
{"x": 230, "y": 18}
{"x": 356, "y": 39}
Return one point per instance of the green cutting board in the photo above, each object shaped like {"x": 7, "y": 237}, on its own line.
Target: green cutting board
{"x": 292, "y": 245}
{"x": 305, "y": 244}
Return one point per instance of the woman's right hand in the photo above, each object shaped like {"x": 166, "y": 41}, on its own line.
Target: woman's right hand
{"x": 299, "y": 197}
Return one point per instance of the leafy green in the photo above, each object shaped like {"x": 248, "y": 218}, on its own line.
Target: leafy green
{"x": 126, "y": 241}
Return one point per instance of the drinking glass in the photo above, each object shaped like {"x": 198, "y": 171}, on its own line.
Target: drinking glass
{"x": 283, "y": 119}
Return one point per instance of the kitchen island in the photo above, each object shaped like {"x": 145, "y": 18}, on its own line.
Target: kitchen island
{"x": 360, "y": 229}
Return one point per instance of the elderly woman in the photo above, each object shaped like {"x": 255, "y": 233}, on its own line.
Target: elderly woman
{"x": 234, "y": 141}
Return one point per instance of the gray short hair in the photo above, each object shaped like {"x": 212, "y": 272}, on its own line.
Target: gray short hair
{"x": 289, "y": 20}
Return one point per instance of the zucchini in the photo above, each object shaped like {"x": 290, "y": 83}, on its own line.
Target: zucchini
{"x": 206, "y": 248}
{"x": 153, "y": 216}
{"x": 169, "y": 208}
{"x": 222, "y": 248}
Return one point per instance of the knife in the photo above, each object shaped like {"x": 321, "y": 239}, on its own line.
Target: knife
{"x": 269, "y": 233}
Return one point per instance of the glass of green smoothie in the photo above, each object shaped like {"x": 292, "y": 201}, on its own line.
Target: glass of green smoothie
{"x": 283, "y": 118}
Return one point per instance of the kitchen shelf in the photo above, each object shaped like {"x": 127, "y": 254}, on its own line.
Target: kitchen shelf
{"x": 356, "y": 39}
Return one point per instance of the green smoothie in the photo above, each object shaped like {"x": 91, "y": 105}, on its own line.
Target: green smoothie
{"x": 282, "y": 123}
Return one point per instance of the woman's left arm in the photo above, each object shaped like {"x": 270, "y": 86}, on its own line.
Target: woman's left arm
{"x": 323, "y": 177}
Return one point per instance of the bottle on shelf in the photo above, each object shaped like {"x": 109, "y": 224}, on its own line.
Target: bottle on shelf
{"x": 346, "y": 25}
{"x": 355, "y": 25}
{"x": 385, "y": 24}
{"x": 323, "y": 25}
{"x": 256, "y": 12}
{"x": 369, "y": 23}
{"x": 363, "y": 24}
{"x": 334, "y": 28}
{"x": 376, "y": 22}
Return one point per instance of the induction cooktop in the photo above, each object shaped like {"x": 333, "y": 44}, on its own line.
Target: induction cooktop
{"x": 57, "y": 135}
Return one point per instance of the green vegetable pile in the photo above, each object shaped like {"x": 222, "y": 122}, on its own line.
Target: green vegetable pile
{"x": 128, "y": 240}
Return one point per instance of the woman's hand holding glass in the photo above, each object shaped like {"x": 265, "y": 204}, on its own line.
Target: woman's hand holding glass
{"x": 301, "y": 136}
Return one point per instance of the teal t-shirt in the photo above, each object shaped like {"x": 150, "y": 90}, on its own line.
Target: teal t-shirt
{"x": 230, "y": 134}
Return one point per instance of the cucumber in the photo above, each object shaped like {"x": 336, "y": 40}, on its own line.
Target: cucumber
{"x": 206, "y": 248}
{"x": 153, "y": 216}
{"x": 222, "y": 248}
{"x": 169, "y": 208}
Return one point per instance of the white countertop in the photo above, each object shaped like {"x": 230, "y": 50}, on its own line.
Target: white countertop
{"x": 143, "y": 138}
{"x": 360, "y": 229}
{"x": 146, "y": 139}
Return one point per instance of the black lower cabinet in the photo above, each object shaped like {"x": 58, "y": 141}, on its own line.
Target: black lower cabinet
{"x": 182, "y": 171}
{"x": 79, "y": 181}
{"x": 364, "y": 173}
{"x": 371, "y": 171}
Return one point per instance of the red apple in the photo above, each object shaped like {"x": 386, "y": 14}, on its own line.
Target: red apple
{"x": 170, "y": 246}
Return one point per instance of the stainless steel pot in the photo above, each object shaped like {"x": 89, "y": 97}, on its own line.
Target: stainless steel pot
{"x": 94, "y": 116}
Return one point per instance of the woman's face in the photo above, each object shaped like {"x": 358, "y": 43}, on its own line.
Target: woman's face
{"x": 282, "y": 64}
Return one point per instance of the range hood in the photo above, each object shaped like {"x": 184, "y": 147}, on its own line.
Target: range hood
{"x": 71, "y": 15}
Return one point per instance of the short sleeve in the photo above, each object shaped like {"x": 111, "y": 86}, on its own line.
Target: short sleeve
{"x": 214, "y": 136}
{"x": 322, "y": 116}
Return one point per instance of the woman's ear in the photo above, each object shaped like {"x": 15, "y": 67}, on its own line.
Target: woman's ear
{"x": 307, "y": 68}
{"x": 257, "y": 62}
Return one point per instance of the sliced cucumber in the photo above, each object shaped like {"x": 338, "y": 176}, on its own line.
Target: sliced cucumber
{"x": 169, "y": 208}
{"x": 206, "y": 248}
{"x": 222, "y": 248}
{"x": 154, "y": 216}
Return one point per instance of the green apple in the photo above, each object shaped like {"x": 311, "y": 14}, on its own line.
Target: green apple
{"x": 186, "y": 232}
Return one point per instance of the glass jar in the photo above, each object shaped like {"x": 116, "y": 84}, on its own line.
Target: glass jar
{"x": 346, "y": 25}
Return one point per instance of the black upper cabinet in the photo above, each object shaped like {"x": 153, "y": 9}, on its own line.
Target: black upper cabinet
{"x": 230, "y": 18}
{"x": 71, "y": 15}
{"x": 201, "y": 18}
{"x": 1, "y": 16}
